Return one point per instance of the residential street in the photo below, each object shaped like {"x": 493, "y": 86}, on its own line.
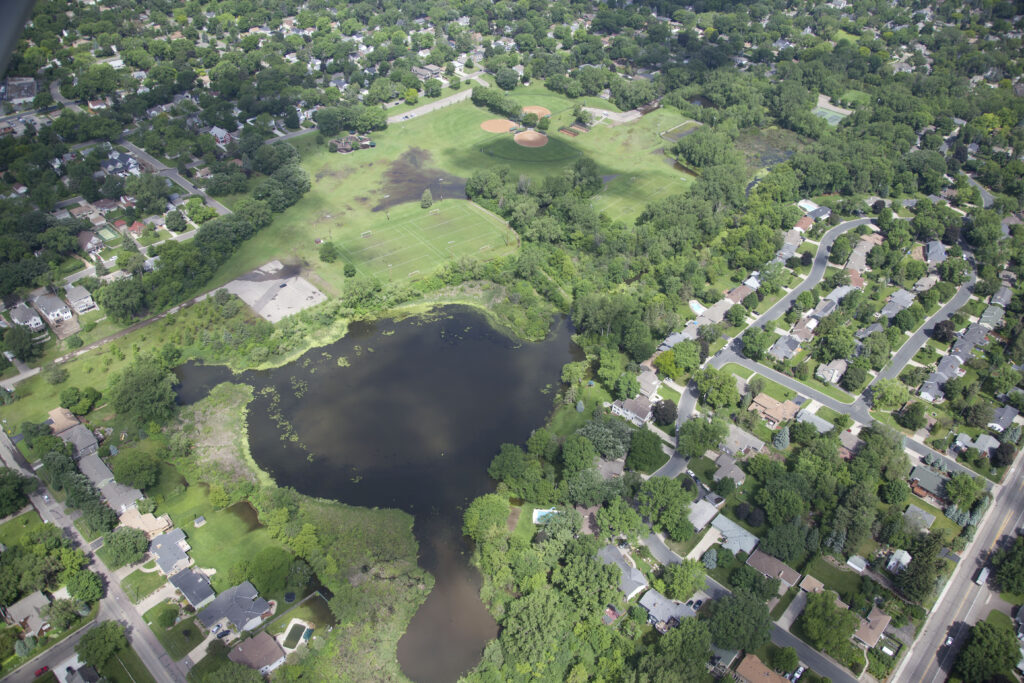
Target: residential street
{"x": 172, "y": 173}
{"x": 987, "y": 200}
{"x": 963, "y": 602}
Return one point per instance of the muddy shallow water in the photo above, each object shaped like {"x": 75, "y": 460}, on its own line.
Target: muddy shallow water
{"x": 407, "y": 177}
{"x": 410, "y": 419}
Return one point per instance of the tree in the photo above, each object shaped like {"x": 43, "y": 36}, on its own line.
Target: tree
{"x": 329, "y": 252}
{"x": 786, "y": 660}
{"x": 680, "y": 655}
{"x": 683, "y": 580}
{"x": 85, "y": 586}
{"x": 485, "y": 516}
{"x": 100, "y": 643}
{"x": 1009, "y": 566}
{"x": 781, "y": 438}
{"x": 136, "y": 469}
{"x": 736, "y": 315}
{"x": 506, "y": 78}
{"x": 126, "y": 545}
{"x": 143, "y": 391}
{"x": 14, "y": 490}
{"x": 826, "y": 625}
{"x": 665, "y": 411}
{"x": 990, "y": 650}
{"x": 645, "y": 454}
{"x": 18, "y": 340}
{"x": 854, "y": 378}
{"x": 894, "y": 492}
{"x": 717, "y": 388}
{"x": 426, "y": 199}
{"x": 619, "y": 519}
{"x": 666, "y": 504}
{"x": 756, "y": 342}
{"x": 963, "y": 490}
{"x": 889, "y": 393}
{"x": 232, "y": 672}
{"x": 913, "y": 416}
{"x": 578, "y": 453}
{"x": 739, "y": 621}
{"x": 61, "y": 614}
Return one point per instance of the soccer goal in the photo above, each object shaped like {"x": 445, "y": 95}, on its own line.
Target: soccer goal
{"x": 366, "y": 234}
{"x": 435, "y": 212}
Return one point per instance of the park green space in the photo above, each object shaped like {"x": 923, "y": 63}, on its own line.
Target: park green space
{"x": 347, "y": 187}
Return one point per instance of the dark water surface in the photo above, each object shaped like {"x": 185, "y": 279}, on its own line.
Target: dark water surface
{"x": 412, "y": 423}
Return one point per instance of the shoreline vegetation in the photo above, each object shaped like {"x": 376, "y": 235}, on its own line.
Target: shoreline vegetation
{"x": 375, "y": 579}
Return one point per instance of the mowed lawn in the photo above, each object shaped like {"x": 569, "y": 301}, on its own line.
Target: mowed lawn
{"x": 346, "y": 188}
{"x": 415, "y": 241}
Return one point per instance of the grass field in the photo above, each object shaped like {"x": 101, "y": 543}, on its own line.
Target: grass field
{"x": 140, "y": 584}
{"x": 449, "y": 144}
{"x": 414, "y": 241}
{"x": 13, "y": 531}
{"x": 856, "y": 97}
{"x": 126, "y": 667}
{"x": 178, "y": 640}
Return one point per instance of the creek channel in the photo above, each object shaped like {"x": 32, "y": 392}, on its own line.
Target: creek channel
{"x": 410, "y": 419}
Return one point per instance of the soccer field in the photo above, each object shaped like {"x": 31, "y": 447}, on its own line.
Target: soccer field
{"x": 619, "y": 198}
{"x": 413, "y": 242}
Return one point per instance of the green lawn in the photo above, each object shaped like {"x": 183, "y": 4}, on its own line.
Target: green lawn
{"x": 126, "y": 667}
{"x": 567, "y": 420}
{"x": 452, "y": 144}
{"x": 780, "y": 607}
{"x": 845, "y": 583}
{"x": 178, "y": 640}
{"x": 857, "y": 97}
{"x": 669, "y": 393}
{"x": 827, "y": 413}
{"x": 525, "y": 528}
{"x": 313, "y": 609}
{"x": 140, "y": 584}
{"x": 703, "y": 468}
{"x": 14, "y": 530}
{"x": 776, "y": 390}
{"x": 737, "y": 370}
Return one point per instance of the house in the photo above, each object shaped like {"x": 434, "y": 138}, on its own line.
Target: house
{"x": 804, "y": 328}
{"x": 947, "y": 368}
{"x": 738, "y": 294}
{"x": 427, "y": 72}
{"x": 170, "y": 550}
{"x": 84, "y": 444}
{"x": 773, "y": 411}
{"x": 649, "y": 383}
{"x": 61, "y": 419}
{"x": 120, "y": 163}
{"x": 662, "y": 612}
{"x": 89, "y": 242}
{"x": 926, "y": 283}
{"x": 924, "y": 483}
{"x": 930, "y": 391}
{"x": 753, "y": 670}
{"x": 739, "y": 443}
{"x": 727, "y": 467}
{"x": 774, "y": 568}
{"x": 898, "y": 561}
{"x": 104, "y": 205}
{"x": 856, "y": 281}
{"x": 631, "y": 579}
{"x": 785, "y": 348}
{"x": 1002, "y": 418}
{"x": 83, "y": 674}
{"x": 918, "y": 519}
{"x": 849, "y": 444}
{"x": 809, "y": 584}
{"x": 147, "y": 523}
{"x": 866, "y": 332}
{"x": 899, "y": 300}
{"x": 261, "y": 652}
{"x": 992, "y": 317}
{"x": 119, "y": 497}
{"x": 735, "y": 538}
{"x": 831, "y": 373}
{"x": 822, "y": 213}
{"x": 220, "y": 135}
{"x": 194, "y": 586}
{"x": 636, "y": 410}
{"x": 804, "y": 224}
{"x": 80, "y": 299}
{"x": 27, "y": 613}
{"x": 1002, "y": 297}
{"x": 26, "y": 317}
{"x": 857, "y": 563}
{"x": 821, "y": 424}
{"x": 240, "y": 607}
{"x": 934, "y": 252}
{"x": 55, "y": 310}
{"x": 701, "y": 513}
{"x": 986, "y": 444}
{"x": 19, "y": 90}
{"x": 871, "y": 629}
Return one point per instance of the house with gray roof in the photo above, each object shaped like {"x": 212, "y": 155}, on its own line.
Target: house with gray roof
{"x": 1002, "y": 418}
{"x": 636, "y": 410}
{"x": 992, "y": 317}
{"x": 931, "y": 391}
{"x": 899, "y": 300}
{"x": 649, "y": 383}
{"x": 83, "y": 442}
{"x": 822, "y": 213}
{"x": 631, "y": 579}
{"x": 95, "y": 469}
{"x": 934, "y": 252}
{"x": 26, "y": 317}
{"x": 918, "y": 519}
{"x": 839, "y": 293}
{"x": 120, "y": 497}
{"x": 80, "y": 298}
{"x": 28, "y": 614}
{"x": 735, "y": 538}
{"x": 924, "y": 481}
{"x": 785, "y": 348}
{"x": 866, "y": 332}
{"x": 170, "y": 550}
{"x": 662, "y": 612}
{"x": 55, "y": 310}
{"x": 194, "y": 587}
{"x": 832, "y": 372}
{"x": 239, "y": 607}
{"x": 1001, "y": 297}
{"x": 821, "y": 424}
{"x": 701, "y": 513}
{"x": 949, "y": 367}
{"x": 727, "y": 467}
{"x": 739, "y": 443}
{"x": 986, "y": 444}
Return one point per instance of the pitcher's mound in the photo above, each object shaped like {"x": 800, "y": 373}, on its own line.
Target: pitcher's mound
{"x": 531, "y": 138}
{"x": 497, "y": 125}
{"x": 539, "y": 111}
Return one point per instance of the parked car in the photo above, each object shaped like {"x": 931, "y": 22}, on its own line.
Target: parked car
{"x": 799, "y": 672}
{"x": 949, "y": 641}
{"x": 697, "y": 604}
{"x": 41, "y": 671}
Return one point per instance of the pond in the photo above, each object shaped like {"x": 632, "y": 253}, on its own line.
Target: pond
{"x": 410, "y": 418}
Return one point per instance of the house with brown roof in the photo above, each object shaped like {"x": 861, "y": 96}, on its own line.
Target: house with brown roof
{"x": 871, "y": 629}
{"x": 753, "y": 670}
{"x": 773, "y": 411}
{"x": 261, "y": 652}
{"x": 774, "y": 568}
{"x": 804, "y": 224}
{"x": 738, "y": 294}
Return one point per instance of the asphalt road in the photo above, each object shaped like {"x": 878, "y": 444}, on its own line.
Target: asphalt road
{"x": 962, "y": 602}
{"x": 987, "y": 200}
{"x": 172, "y": 173}
{"x": 814, "y": 277}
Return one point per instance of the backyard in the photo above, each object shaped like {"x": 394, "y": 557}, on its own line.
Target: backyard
{"x": 178, "y": 640}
